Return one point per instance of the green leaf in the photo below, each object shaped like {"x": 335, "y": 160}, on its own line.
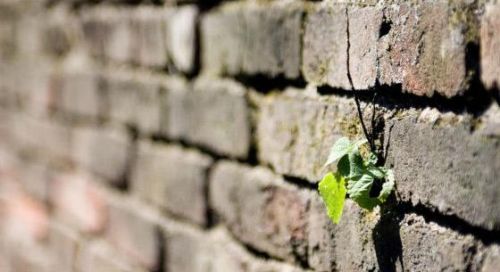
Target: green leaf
{"x": 356, "y": 167}
{"x": 372, "y": 159}
{"x": 332, "y": 190}
{"x": 387, "y": 187}
{"x": 343, "y": 167}
{"x": 341, "y": 147}
{"x": 359, "y": 191}
{"x": 378, "y": 172}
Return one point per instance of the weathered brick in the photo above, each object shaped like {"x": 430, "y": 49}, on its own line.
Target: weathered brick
{"x": 253, "y": 39}
{"x": 78, "y": 203}
{"x": 119, "y": 40}
{"x": 148, "y": 36}
{"x": 325, "y": 46}
{"x": 214, "y": 114}
{"x": 364, "y": 28}
{"x": 63, "y": 244}
{"x": 134, "y": 99}
{"x": 491, "y": 260}
{"x": 188, "y": 250}
{"x": 430, "y": 247}
{"x": 441, "y": 164}
{"x": 42, "y": 138}
{"x": 79, "y": 95}
{"x": 424, "y": 49}
{"x": 181, "y": 37}
{"x": 490, "y": 42}
{"x": 193, "y": 251}
{"x": 133, "y": 232}
{"x": 260, "y": 209}
{"x": 98, "y": 256}
{"x": 104, "y": 152}
{"x": 172, "y": 178}
{"x": 295, "y": 131}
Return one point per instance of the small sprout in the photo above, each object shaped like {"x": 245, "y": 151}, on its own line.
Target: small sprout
{"x": 355, "y": 176}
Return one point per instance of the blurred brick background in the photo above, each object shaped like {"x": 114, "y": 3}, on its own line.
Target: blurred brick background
{"x": 190, "y": 135}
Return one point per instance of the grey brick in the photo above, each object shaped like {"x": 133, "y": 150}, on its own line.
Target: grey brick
{"x": 442, "y": 164}
{"x": 491, "y": 261}
{"x": 181, "y": 37}
{"x": 134, "y": 99}
{"x": 134, "y": 232}
{"x": 430, "y": 247}
{"x": 260, "y": 209}
{"x": 98, "y": 256}
{"x": 490, "y": 42}
{"x": 79, "y": 95}
{"x": 104, "y": 152}
{"x": 148, "y": 34}
{"x": 325, "y": 46}
{"x": 213, "y": 114}
{"x": 253, "y": 39}
{"x": 172, "y": 178}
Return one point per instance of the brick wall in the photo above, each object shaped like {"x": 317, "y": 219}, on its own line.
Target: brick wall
{"x": 190, "y": 135}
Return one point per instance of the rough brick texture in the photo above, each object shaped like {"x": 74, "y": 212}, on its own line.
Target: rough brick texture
{"x": 190, "y": 135}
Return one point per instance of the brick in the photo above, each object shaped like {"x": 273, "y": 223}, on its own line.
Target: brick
{"x": 325, "y": 46}
{"x": 63, "y": 244}
{"x": 96, "y": 30}
{"x": 188, "y": 251}
{"x": 98, "y": 256}
{"x": 119, "y": 40}
{"x": 430, "y": 247}
{"x": 79, "y": 95}
{"x": 424, "y": 49}
{"x": 78, "y": 203}
{"x": 295, "y": 131}
{"x": 364, "y": 27}
{"x": 490, "y": 42}
{"x": 135, "y": 100}
{"x": 260, "y": 209}
{"x": 181, "y": 37}
{"x": 133, "y": 232}
{"x": 192, "y": 250}
{"x": 491, "y": 260}
{"x": 148, "y": 36}
{"x": 441, "y": 164}
{"x": 35, "y": 178}
{"x": 172, "y": 178}
{"x": 253, "y": 39}
{"x": 25, "y": 219}
{"x": 214, "y": 114}
{"x": 104, "y": 152}
{"x": 52, "y": 142}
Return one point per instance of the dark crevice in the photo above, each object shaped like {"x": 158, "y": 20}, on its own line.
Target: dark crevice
{"x": 475, "y": 101}
{"x": 210, "y": 214}
{"x": 301, "y": 183}
{"x": 387, "y": 239}
{"x": 161, "y": 253}
{"x": 385, "y": 27}
{"x": 123, "y": 183}
{"x": 266, "y": 84}
{"x": 452, "y": 222}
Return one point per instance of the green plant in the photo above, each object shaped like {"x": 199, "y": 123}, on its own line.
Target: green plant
{"x": 355, "y": 177}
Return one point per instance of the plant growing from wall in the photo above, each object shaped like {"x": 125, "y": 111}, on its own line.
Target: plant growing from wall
{"x": 355, "y": 177}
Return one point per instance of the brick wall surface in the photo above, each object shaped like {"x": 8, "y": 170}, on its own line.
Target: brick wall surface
{"x": 190, "y": 135}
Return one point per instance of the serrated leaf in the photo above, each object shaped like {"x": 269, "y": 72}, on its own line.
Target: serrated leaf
{"x": 332, "y": 190}
{"x": 359, "y": 191}
{"x": 387, "y": 187}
